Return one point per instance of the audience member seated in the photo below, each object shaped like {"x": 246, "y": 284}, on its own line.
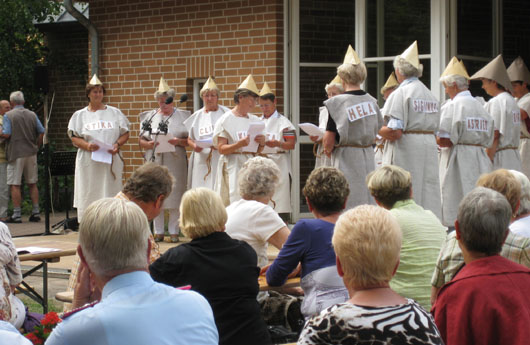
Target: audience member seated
{"x": 515, "y": 247}
{"x": 521, "y": 224}
{"x": 367, "y": 240}
{"x": 218, "y": 267}
{"x": 309, "y": 244}
{"x": 487, "y": 301}
{"x": 423, "y": 234}
{"x": 114, "y": 247}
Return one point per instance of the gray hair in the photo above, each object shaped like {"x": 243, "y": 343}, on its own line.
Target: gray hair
{"x": 16, "y": 97}
{"x": 335, "y": 85}
{"x": 524, "y": 205}
{"x": 406, "y": 69}
{"x": 216, "y": 89}
{"x": 483, "y": 218}
{"x": 352, "y": 74}
{"x": 258, "y": 177}
{"x": 114, "y": 236}
{"x": 454, "y": 79}
{"x": 168, "y": 93}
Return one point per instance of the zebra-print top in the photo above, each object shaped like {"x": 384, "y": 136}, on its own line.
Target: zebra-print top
{"x": 346, "y": 323}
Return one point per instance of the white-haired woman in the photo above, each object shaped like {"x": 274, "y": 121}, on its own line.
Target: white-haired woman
{"x": 521, "y": 223}
{"x": 466, "y": 130}
{"x": 221, "y": 269}
{"x": 353, "y": 124}
{"x": 333, "y": 89}
{"x": 107, "y": 124}
{"x": 367, "y": 241}
{"x": 167, "y": 120}
{"x": 202, "y": 169}
{"x": 411, "y": 119}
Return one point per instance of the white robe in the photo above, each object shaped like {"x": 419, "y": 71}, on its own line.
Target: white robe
{"x": 322, "y": 160}
{"x": 358, "y": 121}
{"x": 233, "y": 128}
{"x": 177, "y": 161}
{"x": 415, "y": 105}
{"x": 274, "y": 127}
{"x": 524, "y": 144}
{"x": 200, "y": 126}
{"x": 507, "y": 120}
{"x": 95, "y": 180}
{"x": 465, "y": 122}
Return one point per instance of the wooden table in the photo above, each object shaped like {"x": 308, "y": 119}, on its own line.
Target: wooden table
{"x": 43, "y": 260}
{"x": 291, "y": 282}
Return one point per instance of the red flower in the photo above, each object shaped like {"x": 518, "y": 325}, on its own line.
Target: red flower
{"x": 50, "y": 319}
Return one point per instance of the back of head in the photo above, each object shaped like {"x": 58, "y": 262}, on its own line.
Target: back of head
{"x": 367, "y": 241}
{"x": 389, "y": 184}
{"x": 483, "y": 220}
{"x": 114, "y": 236}
{"x": 504, "y": 182}
{"x": 524, "y": 205}
{"x": 148, "y": 182}
{"x": 326, "y": 189}
{"x": 454, "y": 79}
{"x": 353, "y": 74}
{"x": 258, "y": 177}
{"x": 406, "y": 69}
{"x": 16, "y": 98}
{"x": 202, "y": 213}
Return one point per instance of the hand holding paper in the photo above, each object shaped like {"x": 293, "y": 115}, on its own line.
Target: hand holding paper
{"x": 102, "y": 154}
{"x": 311, "y": 129}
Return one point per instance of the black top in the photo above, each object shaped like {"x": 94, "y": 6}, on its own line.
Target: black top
{"x": 225, "y": 272}
{"x": 332, "y": 126}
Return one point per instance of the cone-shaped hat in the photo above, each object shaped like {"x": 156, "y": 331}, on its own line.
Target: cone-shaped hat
{"x": 495, "y": 70}
{"x": 163, "y": 86}
{"x": 209, "y": 85}
{"x": 351, "y": 56}
{"x": 411, "y": 55}
{"x": 249, "y": 84}
{"x": 518, "y": 71}
{"x": 266, "y": 90}
{"x": 95, "y": 80}
{"x": 390, "y": 83}
{"x": 455, "y": 67}
{"x": 336, "y": 80}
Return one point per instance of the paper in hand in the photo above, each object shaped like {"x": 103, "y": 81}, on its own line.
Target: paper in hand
{"x": 102, "y": 155}
{"x": 311, "y": 129}
{"x": 163, "y": 143}
{"x": 204, "y": 143}
{"x": 254, "y": 129}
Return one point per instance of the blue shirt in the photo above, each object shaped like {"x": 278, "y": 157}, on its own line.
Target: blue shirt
{"x": 308, "y": 243}
{"x": 135, "y": 310}
{"x": 7, "y": 123}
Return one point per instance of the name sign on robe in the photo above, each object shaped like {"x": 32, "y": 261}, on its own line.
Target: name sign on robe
{"x": 272, "y": 136}
{"x": 424, "y": 106}
{"x": 476, "y": 124}
{"x": 206, "y": 131}
{"x": 97, "y": 125}
{"x": 358, "y": 111}
{"x": 516, "y": 117}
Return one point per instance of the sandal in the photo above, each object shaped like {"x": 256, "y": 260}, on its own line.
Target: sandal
{"x": 175, "y": 239}
{"x": 159, "y": 238}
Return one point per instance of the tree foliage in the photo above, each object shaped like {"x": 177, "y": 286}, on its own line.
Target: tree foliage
{"x": 22, "y": 45}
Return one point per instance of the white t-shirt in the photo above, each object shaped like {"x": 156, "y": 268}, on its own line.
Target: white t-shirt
{"x": 253, "y": 222}
{"x": 521, "y": 227}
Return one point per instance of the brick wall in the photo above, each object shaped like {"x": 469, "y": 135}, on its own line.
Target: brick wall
{"x": 182, "y": 40}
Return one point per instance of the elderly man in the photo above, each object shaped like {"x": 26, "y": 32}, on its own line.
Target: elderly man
{"x": 5, "y": 106}
{"x": 486, "y": 302}
{"x": 24, "y": 131}
{"x": 114, "y": 246}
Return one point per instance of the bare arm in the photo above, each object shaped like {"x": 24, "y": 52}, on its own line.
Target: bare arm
{"x": 444, "y": 142}
{"x": 225, "y": 148}
{"x": 390, "y": 134}
{"x": 279, "y": 237}
{"x": 329, "y": 142}
{"x": 84, "y": 145}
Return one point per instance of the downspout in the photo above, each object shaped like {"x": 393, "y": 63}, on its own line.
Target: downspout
{"x": 93, "y": 32}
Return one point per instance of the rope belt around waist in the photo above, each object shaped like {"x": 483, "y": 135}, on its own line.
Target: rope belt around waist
{"x": 353, "y": 145}
{"x": 508, "y": 148}
{"x": 521, "y": 137}
{"x": 478, "y": 145}
{"x": 250, "y": 153}
{"x": 418, "y": 132}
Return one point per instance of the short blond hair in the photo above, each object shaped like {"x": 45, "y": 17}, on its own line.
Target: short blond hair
{"x": 258, "y": 177}
{"x": 114, "y": 236}
{"x": 352, "y": 74}
{"x": 202, "y": 213}
{"x": 389, "y": 184}
{"x": 367, "y": 241}
{"x": 505, "y": 183}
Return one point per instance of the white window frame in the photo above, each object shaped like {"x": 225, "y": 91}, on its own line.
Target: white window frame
{"x": 197, "y": 92}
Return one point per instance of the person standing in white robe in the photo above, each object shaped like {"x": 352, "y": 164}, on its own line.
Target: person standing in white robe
{"x": 466, "y": 130}
{"x": 96, "y": 180}
{"x": 155, "y": 123}
{"x": 412, "y": 117}
{"x": 202, "y": 169}
{"x": 354, "y": 120}
{"x": 520, "y": 79}
{"x": 232, "y": 139}
{"x": 280, "y": 137}
{"x": 504, "y": 152}
{"x": 390, "y": 86}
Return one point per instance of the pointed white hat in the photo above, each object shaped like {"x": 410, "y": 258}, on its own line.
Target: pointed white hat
{"x": 249, "y": 84}
{"x": 351, "y": 56}
{"x": 495, "y": 70}
{"x": 163, "y": 86}
{"x": 209, "y": 85}
{"x": 518, "y": 71}
{"x": 455, "y": 67}
{"x": 390, "y": 83}
{"x": 336, "y": 80}
{"x": 95, "y": 80}
{"x": 411, "y": 55}
{"x": 266, "y": 90}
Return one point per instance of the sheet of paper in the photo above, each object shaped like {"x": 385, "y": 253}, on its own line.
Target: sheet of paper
{"x": 102, "y": 154}
{"x": 311, "y": 129}
{"x": 204, "y": 143}
{"x": 36, "y": 250}
{"x": 254, "y": 129}
{"x": 163, "y": 143}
